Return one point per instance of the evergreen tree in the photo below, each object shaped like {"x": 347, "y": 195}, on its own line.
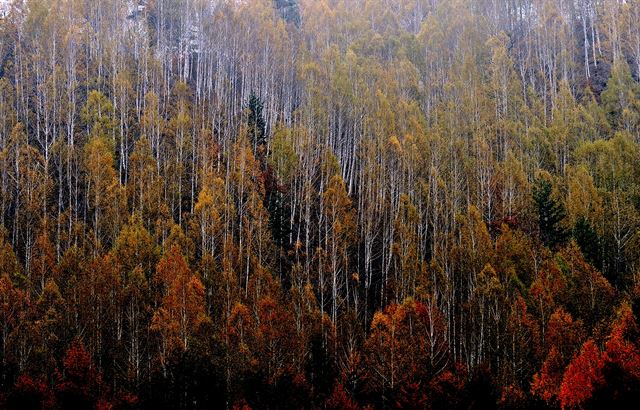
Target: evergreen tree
{"x": 257, "y": 127}
{"x": 278, "y": 217}
{"x": 551, "y": 213}
{"x": 588, "y": 240}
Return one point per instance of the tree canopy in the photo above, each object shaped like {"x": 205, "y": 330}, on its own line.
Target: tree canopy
{"x": 319, "y": 204}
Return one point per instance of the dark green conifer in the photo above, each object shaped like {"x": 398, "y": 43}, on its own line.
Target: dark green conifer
{"x": 257, "y": 127}
{"x": 551, "y": 213}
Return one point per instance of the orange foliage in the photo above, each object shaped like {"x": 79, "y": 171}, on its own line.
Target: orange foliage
{"x": 546, "y": 383}
{"x": 546, "y": 291}
{"x": 564, "y": 333}
{"x": 406, "y": 342}
{"x": 182, "y": 310}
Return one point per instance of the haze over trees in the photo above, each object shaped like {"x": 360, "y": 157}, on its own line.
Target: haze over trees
{"x": 332, "y": 204}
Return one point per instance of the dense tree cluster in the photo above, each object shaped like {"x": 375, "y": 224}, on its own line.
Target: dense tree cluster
{"x": 331, "y": 204}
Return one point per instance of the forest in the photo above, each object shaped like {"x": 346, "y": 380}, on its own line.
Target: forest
{"x": 319, "y": 204}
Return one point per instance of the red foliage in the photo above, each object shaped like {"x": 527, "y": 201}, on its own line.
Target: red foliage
{"x": 241, "y": 406}
{"x": 30, "y": 393}
{"x": 561, "y": 342}
{"x": 582, "y": 377}
{"x": 77, "y": 364}
{"x": 619, "y": 349}
{"x": 585, "y": 376}
{"x": 340, "y": 400}
{"x": 125, "y": 400}
{"x": 447, "y": 389}
{"x": 512, "y": 397}
{"x": 411, "y": 396}
{"x": 104, "y": 405}
{"x": 81, "y": 384}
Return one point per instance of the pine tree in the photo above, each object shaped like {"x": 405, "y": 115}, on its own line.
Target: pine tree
{"x": 257, "y": 127}
{"x": 588, "y": 240}
{"x": 551, "y": 213}
{"x": 278, "y": 217}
